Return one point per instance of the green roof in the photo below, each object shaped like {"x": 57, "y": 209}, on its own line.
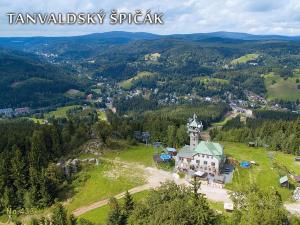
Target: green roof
{"x": 186, "y": 152}
{"x": 209, "y": 148}
{"x": 204, "y": 147}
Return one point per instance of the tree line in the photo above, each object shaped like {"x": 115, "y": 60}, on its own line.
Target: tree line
{"x": 175, "y": 204}
{"x": 168, "y": 124}
{"x": 29, "y": 177}
{"x": 277, "y": 131}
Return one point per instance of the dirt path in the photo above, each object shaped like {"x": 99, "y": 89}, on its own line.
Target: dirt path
{"x": 293, "y": 208}
{"x": 104, "y": 202}
{"x": 154, "y": 178}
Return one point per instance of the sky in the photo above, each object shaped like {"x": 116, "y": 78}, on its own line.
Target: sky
{"x": 180, "y": 16}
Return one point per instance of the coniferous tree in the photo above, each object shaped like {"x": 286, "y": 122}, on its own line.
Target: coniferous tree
{"x": 127, "y": 207}
{"x": 34, "y": 221}
{"x": 18, "y": 169}
{"x": 115, "y": 213}
{"x": 38, "y": 154}
{"x": 59, "y": 215}
{"x": 255, "y": 206}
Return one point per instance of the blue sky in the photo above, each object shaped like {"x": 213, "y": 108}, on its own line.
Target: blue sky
{"x": 180, "y": 16}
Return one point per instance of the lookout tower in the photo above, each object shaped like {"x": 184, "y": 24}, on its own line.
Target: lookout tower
{"x": 194, "y": 130}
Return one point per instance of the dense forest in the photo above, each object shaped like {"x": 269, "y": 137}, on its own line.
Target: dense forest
{"x": 168, "y": 124}
{"x": 28, "y": 153}
{"x": 202, "y": 65}
{"x": 278, "y": 131}
{"x": 25, "y": 80}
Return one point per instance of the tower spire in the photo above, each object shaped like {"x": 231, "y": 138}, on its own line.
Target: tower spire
{"x": 194, "y": 130}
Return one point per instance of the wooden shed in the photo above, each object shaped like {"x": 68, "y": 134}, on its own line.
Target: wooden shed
{"x": 284, "y": 181}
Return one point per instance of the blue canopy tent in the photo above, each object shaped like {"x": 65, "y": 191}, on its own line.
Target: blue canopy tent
{"x": 245, "y": 164}
{"x": 165, "y": 157}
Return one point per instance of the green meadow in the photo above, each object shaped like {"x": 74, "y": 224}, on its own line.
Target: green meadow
{"x": 60, "y": 112}
{"x": 245, "y": 58}
{"x": 280, "y": 88}
{"x": 140, "y": 154}
{"x": 127, "y": 84}
{"x": 265, "y": 174}
{"x": 95, "y": 183}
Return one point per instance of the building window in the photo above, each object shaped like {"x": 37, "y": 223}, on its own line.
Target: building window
{"x": 213, "y": 164}
{"x": 205, "y": 162}
{"x": 189, "y": 160}
{"x": 197, "y": 161}
{"x": 202, "y": 156}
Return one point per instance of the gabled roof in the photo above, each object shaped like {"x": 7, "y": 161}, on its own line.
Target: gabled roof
{"x": 171, "y": 149}
{"x": 283, "y": 179}
{"x": 186, "y": 151}
{"x": 209, "y": 148}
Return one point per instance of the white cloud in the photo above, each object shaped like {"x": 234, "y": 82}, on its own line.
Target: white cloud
{"x": 191, "y": 16}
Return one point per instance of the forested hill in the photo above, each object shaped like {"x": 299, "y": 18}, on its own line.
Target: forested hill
{"x": 26, "y": 80}
{"x": 205, "y": 65}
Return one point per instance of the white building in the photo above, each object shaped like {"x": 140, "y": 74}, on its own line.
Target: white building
{"x": 201, "y": 156}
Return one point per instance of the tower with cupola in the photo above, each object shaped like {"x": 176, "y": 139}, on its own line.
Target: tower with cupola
{"x": 194, "y": 129}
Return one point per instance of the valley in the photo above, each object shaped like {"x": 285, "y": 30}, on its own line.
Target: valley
{"x": 85, "y": 119}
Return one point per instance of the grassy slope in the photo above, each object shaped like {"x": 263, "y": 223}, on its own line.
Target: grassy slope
{"x": 99, "y": 215}
{"x": 126, "y": 84}
{"x": 103, "y": 181}
{"x": 245, "y": 58}
{"x": 282, "y": 89}
{"x": 60, "y": 112}
{"x": 207, "y": 80}
{"x": 73, "y": 93}
{"x": 101, "y": 115}
{"x": 264, "y": 174}
{"x": 137, "y": 154}
{"x": 222, "y": 122}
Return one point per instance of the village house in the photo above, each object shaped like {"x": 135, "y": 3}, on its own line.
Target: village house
{"x": 22, "y": 111}
{"x": 203, "y": 156}
{"x": 6, "y": 112}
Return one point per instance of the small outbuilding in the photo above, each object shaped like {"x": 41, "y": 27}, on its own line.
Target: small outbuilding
{"x": 228, "y": 206}
{"x": 202, "y": 176}
{"x": 219, "y": 179}
{"x": 297, "y": 159}
{"x": 171, "y": 151}
{"x": 284, "y": 181}
{"x": 251, "y": 144}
